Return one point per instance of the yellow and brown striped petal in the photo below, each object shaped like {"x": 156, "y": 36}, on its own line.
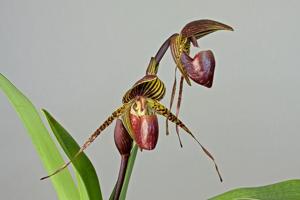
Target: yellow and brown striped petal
{"x": 200, "y": 28}
{"x": 149, "y": 86}
{"x": 178, "y": 46}
{"x": 162, "y": 110}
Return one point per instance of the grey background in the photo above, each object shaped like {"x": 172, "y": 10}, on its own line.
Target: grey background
{"x": 77, "y": 58}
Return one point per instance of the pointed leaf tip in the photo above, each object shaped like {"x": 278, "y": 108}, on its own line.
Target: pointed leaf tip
{"x": 88, "y": 183}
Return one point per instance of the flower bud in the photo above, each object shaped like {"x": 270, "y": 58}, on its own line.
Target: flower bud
{"x": 122, "y": 139}
{"x": 201, "y": 68}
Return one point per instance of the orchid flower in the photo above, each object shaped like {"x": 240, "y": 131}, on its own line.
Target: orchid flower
{"x": 200, "y": 68}
{"x": 137, "y": 120}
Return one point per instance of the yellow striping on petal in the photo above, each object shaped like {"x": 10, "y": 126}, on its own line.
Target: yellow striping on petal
{"x": 127, "y": 123}
{"x": 149, "y": 86}
{"x": 200, "y": 28}
{"x": 162, "y": 110}
{"x": 179, "y": 45}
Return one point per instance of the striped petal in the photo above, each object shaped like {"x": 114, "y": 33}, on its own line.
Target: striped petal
{"x": 117, "y": 113}
{"x": 162, "y": 110}
{"x": 149, "y": 86}
{"x": 180, "y": 45}
{"x": 200, "y": 28}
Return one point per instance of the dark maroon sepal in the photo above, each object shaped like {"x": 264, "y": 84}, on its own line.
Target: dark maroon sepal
{"x": 201, "y": 68}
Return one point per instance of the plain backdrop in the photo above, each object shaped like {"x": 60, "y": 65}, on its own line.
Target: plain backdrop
{"x": 77, "y": 58}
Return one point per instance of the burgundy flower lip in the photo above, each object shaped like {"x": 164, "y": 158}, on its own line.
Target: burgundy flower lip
{"x": 145, "y": 130}
{"x": 201, "y": 68}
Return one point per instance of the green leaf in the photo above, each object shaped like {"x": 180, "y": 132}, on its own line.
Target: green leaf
{"x": 88, "y": 183}
{"x": 127, "y": 174}
{"x": 43, "y": 143}
{"x": 286, "y": 190}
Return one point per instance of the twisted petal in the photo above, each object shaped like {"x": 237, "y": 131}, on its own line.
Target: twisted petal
{"x": 117, "y": 113}
{"x": 162, "y": 110}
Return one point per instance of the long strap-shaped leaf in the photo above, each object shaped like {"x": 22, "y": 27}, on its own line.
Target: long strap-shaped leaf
{"x": 43, "y": 143}
{"x": 87, "y": 179}
{"x": 103, "y": 126}
{"x": 162, "y": 110}
{"x": 286, "y": 190}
